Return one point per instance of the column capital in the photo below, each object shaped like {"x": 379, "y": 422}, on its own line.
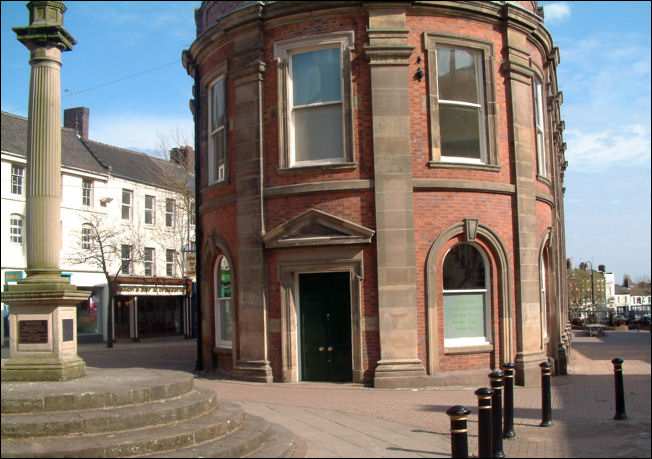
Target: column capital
{"x": 45, "y": 27}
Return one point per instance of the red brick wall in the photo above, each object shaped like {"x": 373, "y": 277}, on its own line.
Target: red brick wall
{"x": 434, "y": 211}
{"x": 419, "y": 108}
{"x": 360, "y": 89}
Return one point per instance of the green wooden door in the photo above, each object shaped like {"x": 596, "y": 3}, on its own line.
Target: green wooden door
{"x": 325, "y": 321}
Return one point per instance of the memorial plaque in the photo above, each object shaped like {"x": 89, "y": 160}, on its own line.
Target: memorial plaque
{"x": 32, "y": 331}
{"x": 68, "y": 327}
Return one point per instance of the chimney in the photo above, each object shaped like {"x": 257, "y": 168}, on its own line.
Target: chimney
{"x": 183, "y": 156}
{"x": 77, "y": 118}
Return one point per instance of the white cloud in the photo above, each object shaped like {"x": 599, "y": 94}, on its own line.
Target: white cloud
{"x": 140, "y": 131}
{"x": 599, "y": 150}
{"x": 556, "y": 12}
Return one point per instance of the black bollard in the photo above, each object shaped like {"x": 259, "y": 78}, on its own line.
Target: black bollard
{"x": 546, "y": 401}
{"x": 485, "y": 440}
{"x": 459, "y": 440}
{"x": 496, "y": 378}
{"x": 508, "y": 412}
{"x": 620, "y": 389}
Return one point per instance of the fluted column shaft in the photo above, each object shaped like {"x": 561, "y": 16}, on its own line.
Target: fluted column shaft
{"x": 44, "y": 164}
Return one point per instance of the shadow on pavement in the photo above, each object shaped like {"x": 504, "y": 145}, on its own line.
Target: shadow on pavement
{"x": 170, "y": 353}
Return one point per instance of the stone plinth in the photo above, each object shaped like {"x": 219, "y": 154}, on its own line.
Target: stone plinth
{"x": 43, "y": 334}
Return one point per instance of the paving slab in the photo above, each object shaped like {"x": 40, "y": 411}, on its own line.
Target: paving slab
{"x": 350, "y": 420}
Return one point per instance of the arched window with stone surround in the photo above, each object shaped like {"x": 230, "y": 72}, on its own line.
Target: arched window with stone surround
{"x": 466, "y": 302}
{"x": 223, "y": 303}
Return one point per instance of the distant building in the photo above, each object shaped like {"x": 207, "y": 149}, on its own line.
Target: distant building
{"x": 132, "y": 192}
{"x": 381, "y": 191}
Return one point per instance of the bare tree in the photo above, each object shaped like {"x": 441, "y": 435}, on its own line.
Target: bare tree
{"x": 110, "y": 249}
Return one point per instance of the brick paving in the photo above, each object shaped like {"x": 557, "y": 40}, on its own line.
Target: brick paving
{"x": 348, "y": 420}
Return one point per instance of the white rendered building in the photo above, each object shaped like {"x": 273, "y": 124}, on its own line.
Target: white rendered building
{"x": 128, "y": 193}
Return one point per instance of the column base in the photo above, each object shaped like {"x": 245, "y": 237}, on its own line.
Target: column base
{"x": 253, "y": 371}
{"x": 527, "y": 372}
{"x": 43, "y": 370}
{"x": 392, "y": 374}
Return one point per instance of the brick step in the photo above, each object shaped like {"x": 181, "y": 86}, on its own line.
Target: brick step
{"x": 164, "y": 411}
{"x": 136, "y": 442}
{"x": 256, "y": 438}
{"x": 98, "y": 389}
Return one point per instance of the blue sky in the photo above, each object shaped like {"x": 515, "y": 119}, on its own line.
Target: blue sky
{"x": 126, "y": 68}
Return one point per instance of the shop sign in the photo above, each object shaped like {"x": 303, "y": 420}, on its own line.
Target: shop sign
{"x": 13, "y": 276}
{"x": 153, "y": 290}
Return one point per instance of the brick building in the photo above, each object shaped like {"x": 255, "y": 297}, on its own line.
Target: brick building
{"x": 380, "y": 191}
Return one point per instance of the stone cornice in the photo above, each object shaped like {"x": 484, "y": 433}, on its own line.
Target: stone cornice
{"x": 462, "y": 185}
{"x": 320, "y": 187}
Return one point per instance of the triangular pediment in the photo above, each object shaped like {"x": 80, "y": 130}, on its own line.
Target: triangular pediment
{"x": 317, "y": 228}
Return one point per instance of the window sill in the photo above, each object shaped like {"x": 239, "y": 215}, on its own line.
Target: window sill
{"x": 447, "y": 165}
{"x": 217, "y": 185}
{"x": 316, "y": 167}
{"x": 222, "y": 349}
{"x": 484, "y": 348}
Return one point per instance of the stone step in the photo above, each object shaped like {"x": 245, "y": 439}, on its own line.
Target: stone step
{"x": 256, "y": 438}
{"x": 165, "y": 411}
{"x": 137, "y": 442}
{"x": 123, "y": 386}
{"x": 280, "y": 443}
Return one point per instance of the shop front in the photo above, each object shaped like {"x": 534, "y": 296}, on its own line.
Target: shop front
{"x": 152, "y": 307}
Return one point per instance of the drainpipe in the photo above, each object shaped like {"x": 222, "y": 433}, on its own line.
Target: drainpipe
{"x": 199, "y": 365}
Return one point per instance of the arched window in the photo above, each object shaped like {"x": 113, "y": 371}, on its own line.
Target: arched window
{"x": 466, "y": 303}
{"x": 223, "y": 303}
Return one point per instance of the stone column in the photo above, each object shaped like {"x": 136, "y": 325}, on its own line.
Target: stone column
{"x": 529, "y": 346}
{"x": 43, "y": 328}
{"x": 388, "y": 55}
{"x": 252, "y": 363}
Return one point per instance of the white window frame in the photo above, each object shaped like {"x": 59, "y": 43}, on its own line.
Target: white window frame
{"x": 480, "y": 106}
{"x": 149, "y": 261}
{"x": 127, "y": 262}
{"x": 283, "y": 51}
{"x": 16, "y": 225}
{"x": 86, "y": 236}
{"x": 221, "y": 341}
{"x": 217, "y": 167}
{"x": 169, "y": 262}
{"x": 473, "y": 341}
{"x": 127, "y": 205}
{"x": 170, "y": 205}
{"x": 87, "y": 193}
{"x": 17, "y": 179}
{"x": 150, "y": 210}
{"x": 483, "y": 50}
{"x": 539, "y": 127}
